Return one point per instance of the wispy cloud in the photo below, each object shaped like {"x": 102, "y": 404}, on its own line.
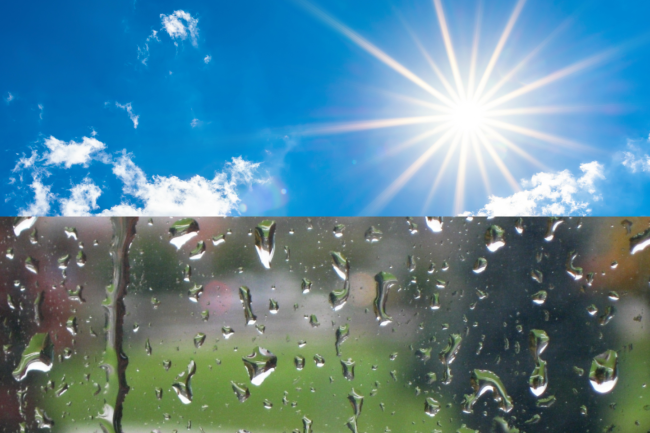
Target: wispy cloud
{"x": 143, "y": 51}
{"x": 11, "y": 97}
{"x": 195, "y": 122}
{"x": 561, "y": 193}
{"x": 635, "y": 158}
{"x": 142, "y": 195}
{"x": 174, "y": 26}
{"x": 40, "y": 111}
{"x": 129, "y": 109}
{"x": 207, "y": 59}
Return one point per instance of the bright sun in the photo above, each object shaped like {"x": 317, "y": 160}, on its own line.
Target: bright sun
{"x": 467, "y": 115}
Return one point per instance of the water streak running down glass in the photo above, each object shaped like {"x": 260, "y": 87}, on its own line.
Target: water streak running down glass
{"x": 356, "y": 324}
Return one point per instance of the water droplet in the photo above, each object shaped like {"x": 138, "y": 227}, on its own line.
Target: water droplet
{"x": 547, "y": 402}
{"x": 348, "y": 368}
{"x": 519, "y": 225}
{"x": 432, "y": 268}
{"x": 538, "y": 380}
{"x": 614, "y": 264}
{"x": 534, "y": 419}
{"x": 537, "y": 276}
{"x": 167, "y": 364}
{"x": 81, "y": 259}
{"x": 313, "y": 321}
{"x": 319, "y": 360}
{"x": 341, "y": 265}
{"x": 385, "y": 281}
{"x": 199, "y": 339}
{"x": 483, "y": 381}
{"x": 267, "y": 404}
{"x": 274, "y": 307}
{"x": 63, "y": 261}
{"x": 583, "y": 410}
{"x": 23, "y": 223}
{"x": 423, "y": 354}
{"x": 431, "y": 407}
{"x": 434, "y": 223}
{"x": 306, "y": 425}
{"x": 627, "y": 225}
{"x": 42, "y": 420}
{"x": 494, "y": 238}
{"x": 37, "y": 356}
{"x": 448, "y": 355}
{"x": 227, "y": 332}
{"x": 299, "y": 362}
{"x": 613, "y": 296}
{"x": 245, "y": 298}
{"x": 241, "y": 391}
{"x": 218, "y": 239}
{"x": 305, "y": 285}
{"x": 552, "y": 224}
{"x": 540, "y": 297}
{"x": 338, "y": 298}
{"x": 338, "y": 230}
{"x": 441, "y": 284}
{"x": 31, "y": 264}
{"x": 71, "y": 325}
{"x": 265, "y": 242}
{"x": 373, "y": 235}
{"x": 435, "y": 302}
{"x": 356, "y": 400}
{"x": 182, "y": 231}
{"x": 639, "y": 242}
{"x": 195, "y": 293}
{"x": 184, "y": 389}
{"x": 260, "y": 364}
{"x": 147, "y": 347}
{"x": 198, "y": 252}
{"x": 576, "y": 273}
{"x": 607, "y": 316}
{"x": 342, "y": 334}
{"x": 10, "y": 253}
{"x": 410, "y": 263}
{"x": 159, "y": 393}
{"x": 603, "y": 373}
{"x": 480, "y": 265}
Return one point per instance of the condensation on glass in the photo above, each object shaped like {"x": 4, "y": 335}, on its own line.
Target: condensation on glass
{"x": 324, "y": 324}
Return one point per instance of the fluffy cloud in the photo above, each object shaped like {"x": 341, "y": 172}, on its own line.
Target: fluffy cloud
{"x": 129, "y": 109}
{"x": 142, "y": 195}
{"x": 174, "y": 26}
{"x": 171, "y": 196}
{"x": 71, "y": 153}
{"x": 550, "y": 194}
{"x": 83, "y": 199}
{"x": 42, "y": 198}
{"x": 207, "y": 59}
{"x": 10, "y": 97}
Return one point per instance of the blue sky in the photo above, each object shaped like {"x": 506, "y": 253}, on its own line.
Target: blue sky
{"x": 273, "y": 108}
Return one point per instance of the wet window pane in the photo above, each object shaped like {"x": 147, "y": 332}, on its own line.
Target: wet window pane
{"x": 325, "y": 325}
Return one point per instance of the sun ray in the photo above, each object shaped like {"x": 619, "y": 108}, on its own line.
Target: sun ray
{"x": 475, "y": 41}
{"x": 497, "y": 51}
{"x": 498, "y": 161}
{"x": 459, "y": 196}
{"x": 370, "y": 48}
{"x": 542, "y": 109}
{"x": 396, "y": 186}
{"x": 415, "y": 140}
{"x": 481, "y": 165}
{"x": 557, "y": 75}
{"x": 528, "y": 157}
{"x": 364, "y": 125}
{"x": 449, "y": 47}
{"x": 441, "y": 172}
{"x": 506, "y": 78}
{"x": 549, "y": 138}
{"x": 417, "y": 101}
{"x": 432, "y": 64}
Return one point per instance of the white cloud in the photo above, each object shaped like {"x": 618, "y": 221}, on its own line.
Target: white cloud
{"x": 177, "y": 30}
{"x": 71, "y": 153}
{"x": 635, "y": 159}
{"x": 207, "y": 59}
{"x": 11, "y": 97}
{"x": 195, "y": 122}
{"x": 83, "y": 199}
{"x": 25, "y": 162}
{"x": 40, "y": 111}
{"x": 143, "y": 52}
{"x": 550, "y": 194}
{"x": 129, "y": 109}
{"x": 171, "y": 196}
{"x": 42, "y": 198}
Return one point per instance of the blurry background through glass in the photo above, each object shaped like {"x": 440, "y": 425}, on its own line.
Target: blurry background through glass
{"x": 325, "y": 325}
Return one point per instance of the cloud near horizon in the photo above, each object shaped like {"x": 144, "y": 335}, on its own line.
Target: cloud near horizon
{"x": 141, "y": 195}
{"x": 561, "y": 193}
